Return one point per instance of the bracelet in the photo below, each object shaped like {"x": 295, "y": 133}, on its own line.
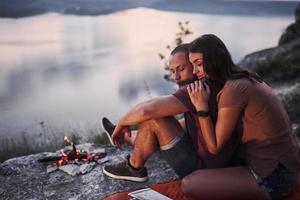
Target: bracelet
{"x": 202, "y": 113}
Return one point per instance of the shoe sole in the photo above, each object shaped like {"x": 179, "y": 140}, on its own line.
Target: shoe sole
{"x": 129, "y": 178}
{"x": 107, "y": 134}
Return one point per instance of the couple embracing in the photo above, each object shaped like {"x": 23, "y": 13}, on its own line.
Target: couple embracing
{"x": 235, "y": 141}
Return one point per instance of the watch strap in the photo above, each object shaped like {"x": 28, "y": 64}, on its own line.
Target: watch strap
{"x": 202, "y": 113}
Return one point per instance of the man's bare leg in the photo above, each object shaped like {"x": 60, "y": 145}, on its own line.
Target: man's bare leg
{"x": 109, "y": 127}
{"x": 151, "y": 135}
{"x": 129, "y": 139}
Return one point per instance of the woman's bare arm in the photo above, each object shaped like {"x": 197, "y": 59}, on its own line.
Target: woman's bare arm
{"x": 215, "y": 137}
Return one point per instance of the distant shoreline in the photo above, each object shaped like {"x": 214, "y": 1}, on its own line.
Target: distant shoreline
{"x": 21, "y": 8}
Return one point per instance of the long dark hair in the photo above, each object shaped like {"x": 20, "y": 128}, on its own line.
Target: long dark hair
{"x": 217, "y": 61}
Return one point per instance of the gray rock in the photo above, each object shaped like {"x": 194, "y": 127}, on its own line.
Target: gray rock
{"x": 25, "y": 178}
{"x": 52, "y": 168}
{"x": 292, "y": 32}
{"x": 70, "y": 169}
{"x": 279, "y": 64}
{"x": 291, "y": 101}
{"x": 85, "y": 168}
{"x": 290, "y": 96}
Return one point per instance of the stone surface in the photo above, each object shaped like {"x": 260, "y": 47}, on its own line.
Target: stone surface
{"x": 85, "y": 168}
{"x": 292, "y": 32}
{"x": 291, "y": 101}
{"x": 51, "y": 168}
{"x": 276, "y": 65}
{"x": 70, "y": 169}
{"x": 280, "y": 63}
{"x": 25, "y": 178}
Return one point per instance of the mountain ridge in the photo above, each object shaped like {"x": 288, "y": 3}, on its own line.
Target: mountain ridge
{"x": 25, "y": 8}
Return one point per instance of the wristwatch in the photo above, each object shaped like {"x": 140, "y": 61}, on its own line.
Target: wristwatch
{"x": 202, "y": 113}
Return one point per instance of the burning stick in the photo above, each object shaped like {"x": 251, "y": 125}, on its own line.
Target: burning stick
{"x": 70, "y": 142}
{"x": 74, "y": 155}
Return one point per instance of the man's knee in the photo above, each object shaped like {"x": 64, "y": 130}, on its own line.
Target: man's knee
{"x": 160, "y": 123}
{"x": 148, "y": 125}
{"x": 167, "y": 124}
{"x": 165, "y": 129}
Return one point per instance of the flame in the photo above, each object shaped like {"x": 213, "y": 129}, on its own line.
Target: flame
{"x": 76, "y": 155}
{"x": 59, "y": 162}
{"x": 68, "y": 140}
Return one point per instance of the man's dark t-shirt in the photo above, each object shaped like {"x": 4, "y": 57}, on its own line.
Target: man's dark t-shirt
{"x": 206, "y": 159}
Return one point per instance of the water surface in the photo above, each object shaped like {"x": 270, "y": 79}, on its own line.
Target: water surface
{"x": 68, "y": 71}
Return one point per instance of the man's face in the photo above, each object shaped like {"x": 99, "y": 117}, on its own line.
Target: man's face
{"x": 181, "y": 69}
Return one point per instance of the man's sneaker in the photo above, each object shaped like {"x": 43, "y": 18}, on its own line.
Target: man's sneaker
{"x": 109, "y": 129}
{"x": 124, "y": 171}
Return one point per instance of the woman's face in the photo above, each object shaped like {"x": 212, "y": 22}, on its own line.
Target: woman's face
{"x": 197, "y": 61}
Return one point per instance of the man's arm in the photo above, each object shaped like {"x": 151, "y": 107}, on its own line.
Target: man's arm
{"x": 155, "y": 108}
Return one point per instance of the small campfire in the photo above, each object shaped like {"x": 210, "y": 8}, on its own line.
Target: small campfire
{"x": 74, "y": 161}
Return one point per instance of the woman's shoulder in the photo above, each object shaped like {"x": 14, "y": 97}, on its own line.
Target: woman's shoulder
{"x": 234, "y": 93}
{"x": 237, "y": 84}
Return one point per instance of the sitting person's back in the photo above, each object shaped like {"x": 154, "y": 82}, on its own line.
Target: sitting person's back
{"x": 267, "y": 135}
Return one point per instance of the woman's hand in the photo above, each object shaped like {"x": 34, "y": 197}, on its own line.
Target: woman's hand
{"x": 199, "y": 93}
{"x": 119, "y": 134}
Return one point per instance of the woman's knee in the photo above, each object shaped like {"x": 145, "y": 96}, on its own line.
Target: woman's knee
{"x": 193, "y": 185}
{"x": 186, "y": 186}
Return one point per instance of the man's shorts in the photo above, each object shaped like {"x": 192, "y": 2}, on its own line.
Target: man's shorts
{"x": 181, "y": 155}
{"x": 277, "y": 185}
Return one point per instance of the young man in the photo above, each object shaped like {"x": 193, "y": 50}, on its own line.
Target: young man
{"x": 158, "y": 129}
{"x": 181, "y": 73}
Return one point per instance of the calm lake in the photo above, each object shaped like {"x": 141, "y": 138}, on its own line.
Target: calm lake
{"x": 66, "y": 72}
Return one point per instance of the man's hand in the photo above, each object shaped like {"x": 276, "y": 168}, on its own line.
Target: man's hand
{"x": 119, "y": 134}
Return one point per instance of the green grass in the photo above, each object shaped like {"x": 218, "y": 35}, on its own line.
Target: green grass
{"x": 50, "y": 139}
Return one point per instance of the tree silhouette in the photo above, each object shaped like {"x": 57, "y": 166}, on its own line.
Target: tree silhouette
{"x": 179, "y": 38}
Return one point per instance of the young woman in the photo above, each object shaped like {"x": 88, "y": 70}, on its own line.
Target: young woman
{"x": 270, "y": 149}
